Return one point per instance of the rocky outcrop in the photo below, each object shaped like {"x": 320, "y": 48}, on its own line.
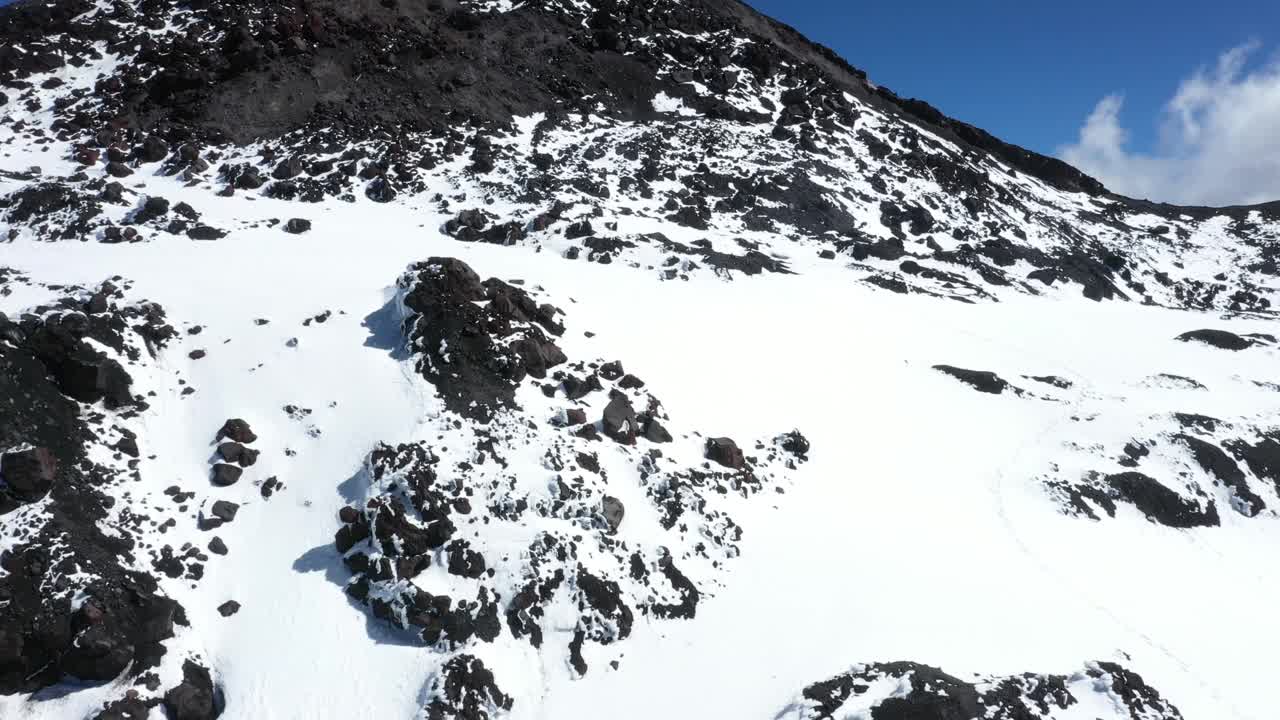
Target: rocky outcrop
{"x": 76, "y": 603}
{"x": 570, "y": 540}
{"x": 912, "y": 691}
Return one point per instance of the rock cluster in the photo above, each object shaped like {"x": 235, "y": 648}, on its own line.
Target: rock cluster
{"x": 591, "y": 425}
{"x": 920, "y": 692}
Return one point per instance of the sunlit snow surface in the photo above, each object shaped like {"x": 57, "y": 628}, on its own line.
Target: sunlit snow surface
{"x": 918, "y": 530}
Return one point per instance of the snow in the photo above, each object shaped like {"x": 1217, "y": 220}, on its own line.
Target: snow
{"x": 916, "y": 531}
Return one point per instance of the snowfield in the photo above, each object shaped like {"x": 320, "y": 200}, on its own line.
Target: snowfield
{"x": 917, "y": 530}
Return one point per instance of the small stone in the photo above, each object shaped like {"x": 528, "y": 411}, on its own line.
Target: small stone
{"x": 217, "y": 546}
{"x": 229, "y": 608}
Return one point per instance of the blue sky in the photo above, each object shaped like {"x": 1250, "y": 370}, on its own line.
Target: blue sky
{"x": 1031, "y": 71}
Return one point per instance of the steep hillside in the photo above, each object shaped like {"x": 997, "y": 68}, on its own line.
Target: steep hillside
{"x": 479, "y": 359}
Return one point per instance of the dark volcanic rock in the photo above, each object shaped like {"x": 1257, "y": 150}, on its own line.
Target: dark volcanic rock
{"x": 1221, "y": 339}
{"x": 195, "y": 698}
{"x": 490, "y": 348}
{"x": 1216, "y": 462}
{"x": 234, "y": 452}
{"x": 26, "y": 475}
{"x": 619, "y": 420}
{"x": 1160, "y": 504}
{"x": 205, "y": 232}
{"x": 224, "y": 474}
{"x": 613, "y": 511}
{"x": 121, "y": 619}
{"x": 296, "y": 226}
{"x": 217, "y": 546}
{"x": 912, "y": 691}
{"x": 465, "y": 688}
{"x": 1262, "y": 456}
{"x": 725, "y": 452}
{"x": 236, "y": 430}
{"x": 796, "y": 444}
{"x": 224, "y": 510}
{"x": 981, "y": 380}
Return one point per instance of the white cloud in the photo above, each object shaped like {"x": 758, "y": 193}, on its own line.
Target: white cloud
{"x": 1219, "y": 141}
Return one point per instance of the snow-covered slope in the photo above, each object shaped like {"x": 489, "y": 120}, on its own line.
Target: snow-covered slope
{"x": 554, "y": 359}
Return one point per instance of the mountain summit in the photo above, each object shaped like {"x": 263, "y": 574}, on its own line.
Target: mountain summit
{"x": 480, "y": 359}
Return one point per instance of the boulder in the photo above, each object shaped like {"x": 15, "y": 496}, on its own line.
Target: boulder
{"x": 152, "y": 149}
{"x": 204, "y": 232}
{"x": 796, "y": 444}
{"x": 288, "y": 168}
{"x": 234, "y": 452}
{"x": 98, "y": 654}
{"x": 380, "y": 191}
{"x": 224, "y": 510}
{"x": 224, "y": 475}
{"x": 980, "y": 380}
{"x": 152, "y": 208}
{"x": 463, "y": 561}
{"x": 28, "y": 474}
{"x": 297, "y": 226}
{"x": 194, "y": 698}
{"x": 237, "y": 430}
{"x": 613, "y": 511}
{"x": 654, "y": 431}
{"x": 1221, "y": 339}
{"x": 725, "y": 452}
{"x": 620, "y": 420}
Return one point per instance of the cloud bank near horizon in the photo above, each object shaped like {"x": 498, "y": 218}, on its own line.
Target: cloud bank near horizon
{"x": 1218, "y": 139}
